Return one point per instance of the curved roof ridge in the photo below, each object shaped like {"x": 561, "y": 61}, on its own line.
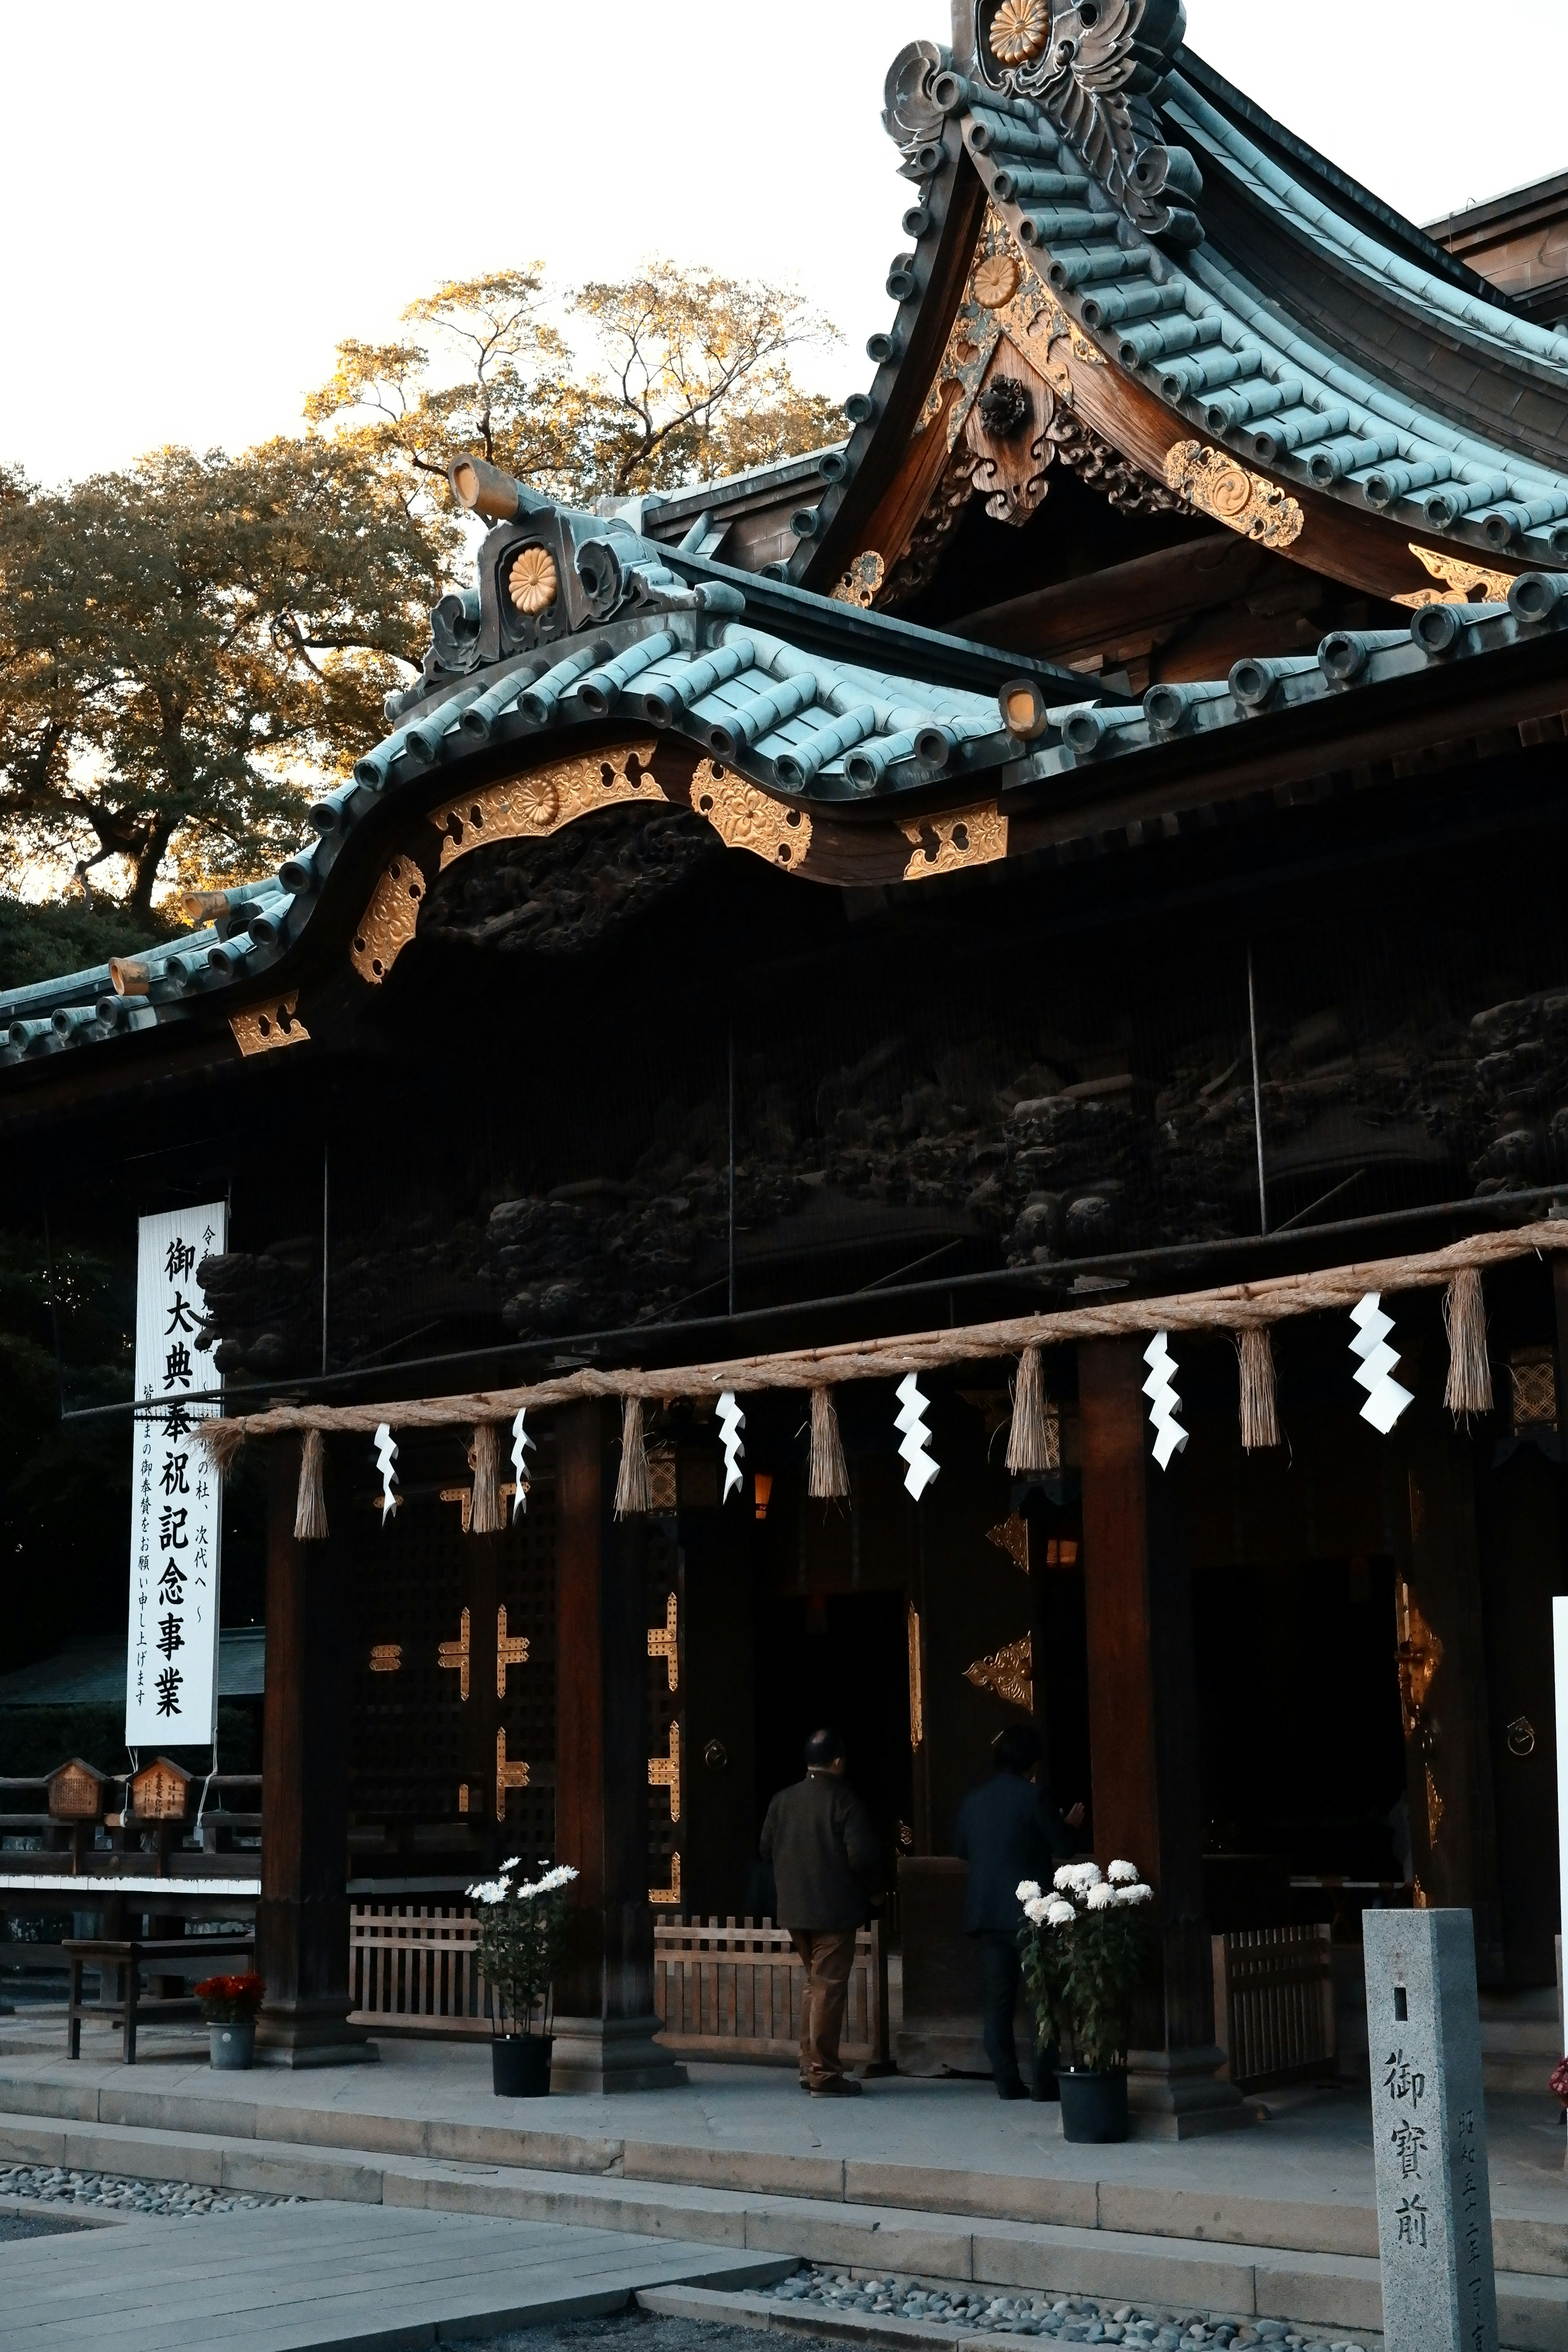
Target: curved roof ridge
{"x": 1190, "y": 68}
{"x": 1458, "y": 304}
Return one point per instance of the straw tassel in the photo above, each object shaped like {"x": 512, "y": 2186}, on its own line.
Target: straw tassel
{"x": 1469, "y": 1387}
{"x": 829, "y": 1472}
{"x": 485, "y": 1517}
{"x": 1034, "y": 1441}
{"x": 633, "y": 1488}
{"x": 222, "y": 1439}
{"x": 1259, "y": 1405}
{"x": 310, "y": 1508}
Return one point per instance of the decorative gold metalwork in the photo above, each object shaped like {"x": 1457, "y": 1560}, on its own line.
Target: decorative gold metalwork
{"x": 917, "y": 1678}
{"x": 862, "y": 581}
{"x": 1420, "y": 1653}
{"x": 543, "y": 802}
{"x": 941, "y": 845}
{"x": 1247, "y": 503}
{"x": 1521, "y": 1736}
{"x": 1463, "y": 583}
{"x": 663, "y": 1643}
{"x": 1009, "y": 1673}
{"x": 1436, "y": 1808}
{"x": 534, "y": 583}
{"x": 670, "y": 1894}
{"x": 508, "y": 1776}
{"x": 450, "y": 1655}
{"x": 1012, "y": 1535}
{"x": 464, "y": 1498}
{"x": 462, "y": 1796}
{"x": 1532, "y": 1377}
{"x": 995, "y": 279}
{"x": 745, "y": 818}
{"x": 1242, "y": 502}
{"x": 388, "y": 922}
{"x": 1019, "y": 31}
{"x": 511, "y": 1650}
{"x": 386, "y": 1658}
{"x": 1001, "y": 296}
{"x": 664, "y": 1771}
{"x": 262, "y": 1028}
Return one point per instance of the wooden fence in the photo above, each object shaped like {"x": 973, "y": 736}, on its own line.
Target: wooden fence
{"x": 1274, "y": 2005}
{"x": 728, "y": 1991}
{"x": 416, "y": 1968}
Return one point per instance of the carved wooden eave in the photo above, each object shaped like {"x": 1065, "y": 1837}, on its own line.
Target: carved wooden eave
{"x": 1244, "y": 328}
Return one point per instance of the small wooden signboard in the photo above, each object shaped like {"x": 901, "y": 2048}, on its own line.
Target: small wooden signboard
{"x": 76, "y": 1792}
{"x": 161, "y": 1791}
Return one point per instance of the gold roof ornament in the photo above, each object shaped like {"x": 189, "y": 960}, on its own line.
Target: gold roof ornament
{"x": 534, "y": 583}
{"x": 1019, "y": 31}
{"x": 1245, "y": 502}
{"x": 1463, "y": 583}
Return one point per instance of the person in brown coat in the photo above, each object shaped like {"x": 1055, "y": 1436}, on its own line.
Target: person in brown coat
{"x": 829, "y": 1869}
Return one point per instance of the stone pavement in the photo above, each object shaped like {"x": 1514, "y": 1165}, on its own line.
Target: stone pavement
{"x": 934, "y": 2180}
{"x": 313, "y": 2278}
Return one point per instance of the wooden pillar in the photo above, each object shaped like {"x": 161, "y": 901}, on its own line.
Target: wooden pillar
{"x": 1142, "y": 1712}
{"x": 302, "y": 1919}
{"x": 1442, "y": 1667}
{"x": 604, "y": 2020}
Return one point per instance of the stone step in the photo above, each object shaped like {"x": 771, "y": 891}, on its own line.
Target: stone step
{"x": 1336, "y": 2290}
{"x": 1341, "y": 2225}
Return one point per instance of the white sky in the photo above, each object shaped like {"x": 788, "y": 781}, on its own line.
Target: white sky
{"x": 199, "y": 200}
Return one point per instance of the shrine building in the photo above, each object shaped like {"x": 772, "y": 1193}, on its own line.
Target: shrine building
{"x": 1079, "y": 859}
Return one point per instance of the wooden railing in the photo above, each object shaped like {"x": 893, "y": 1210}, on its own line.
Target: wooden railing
{"x": 416, "y": 1968}
{"x": 721, "y": 1990}
{"x": 734, "y": 1991}
{"x": 1274, "y": 2005}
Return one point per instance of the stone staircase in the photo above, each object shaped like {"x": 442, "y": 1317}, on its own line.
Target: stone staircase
{"x": 1521, "y": 2039}
{"x": 1256, "y": 2256}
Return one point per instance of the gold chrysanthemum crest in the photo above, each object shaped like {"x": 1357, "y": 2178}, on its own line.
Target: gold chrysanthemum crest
{"x": 532, "y": 584}
{"x": 1019, "y": 31}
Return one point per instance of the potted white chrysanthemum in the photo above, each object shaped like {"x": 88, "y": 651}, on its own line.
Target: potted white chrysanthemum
{"x": 523, "y": 1924}
{"x": 1087, "y": 1956}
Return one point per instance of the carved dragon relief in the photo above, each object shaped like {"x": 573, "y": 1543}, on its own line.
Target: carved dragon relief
{"x": 1093, "y": 67}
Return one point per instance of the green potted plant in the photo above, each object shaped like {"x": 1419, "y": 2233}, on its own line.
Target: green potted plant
{"x": 523, "y": 1924}
{"x": 229, "y": 2005}
{"x": 1086, "y": 1955}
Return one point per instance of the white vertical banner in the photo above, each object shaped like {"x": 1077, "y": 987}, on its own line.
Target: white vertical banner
{"x": 176, "y": 1496}
{"x": 1560, "y": 1643}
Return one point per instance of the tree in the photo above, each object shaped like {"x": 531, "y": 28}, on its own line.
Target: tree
{"x": 186, "y": 646}
{"x": 701, "y": 379}
{"x": 692, "y": 379}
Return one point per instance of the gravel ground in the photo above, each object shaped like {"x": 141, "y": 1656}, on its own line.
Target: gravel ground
{"x": 1065, "y": 2319}
{"x": 117, "y": 2192}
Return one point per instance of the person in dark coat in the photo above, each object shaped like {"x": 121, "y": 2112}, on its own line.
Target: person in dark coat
{"x": 1009, "y": 1831}
{"x": 830, "y": 1868}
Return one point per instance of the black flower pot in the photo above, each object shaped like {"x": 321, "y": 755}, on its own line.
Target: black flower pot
{"x": 520, "y": 2065}
{"x": 1094, "y": 2106}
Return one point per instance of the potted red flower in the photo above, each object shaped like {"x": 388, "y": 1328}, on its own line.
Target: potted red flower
{"x": 229, "y": 2005}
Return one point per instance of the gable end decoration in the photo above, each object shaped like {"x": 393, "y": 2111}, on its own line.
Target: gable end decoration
{"x": 1092, "y": 66}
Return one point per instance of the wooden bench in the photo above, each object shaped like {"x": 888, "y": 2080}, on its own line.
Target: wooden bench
{"x": 169, "y": 1955}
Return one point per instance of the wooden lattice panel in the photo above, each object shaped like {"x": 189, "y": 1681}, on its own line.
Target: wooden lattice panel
{"x": 668, "y": 1763}
{"x": 418, "y": 1746}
